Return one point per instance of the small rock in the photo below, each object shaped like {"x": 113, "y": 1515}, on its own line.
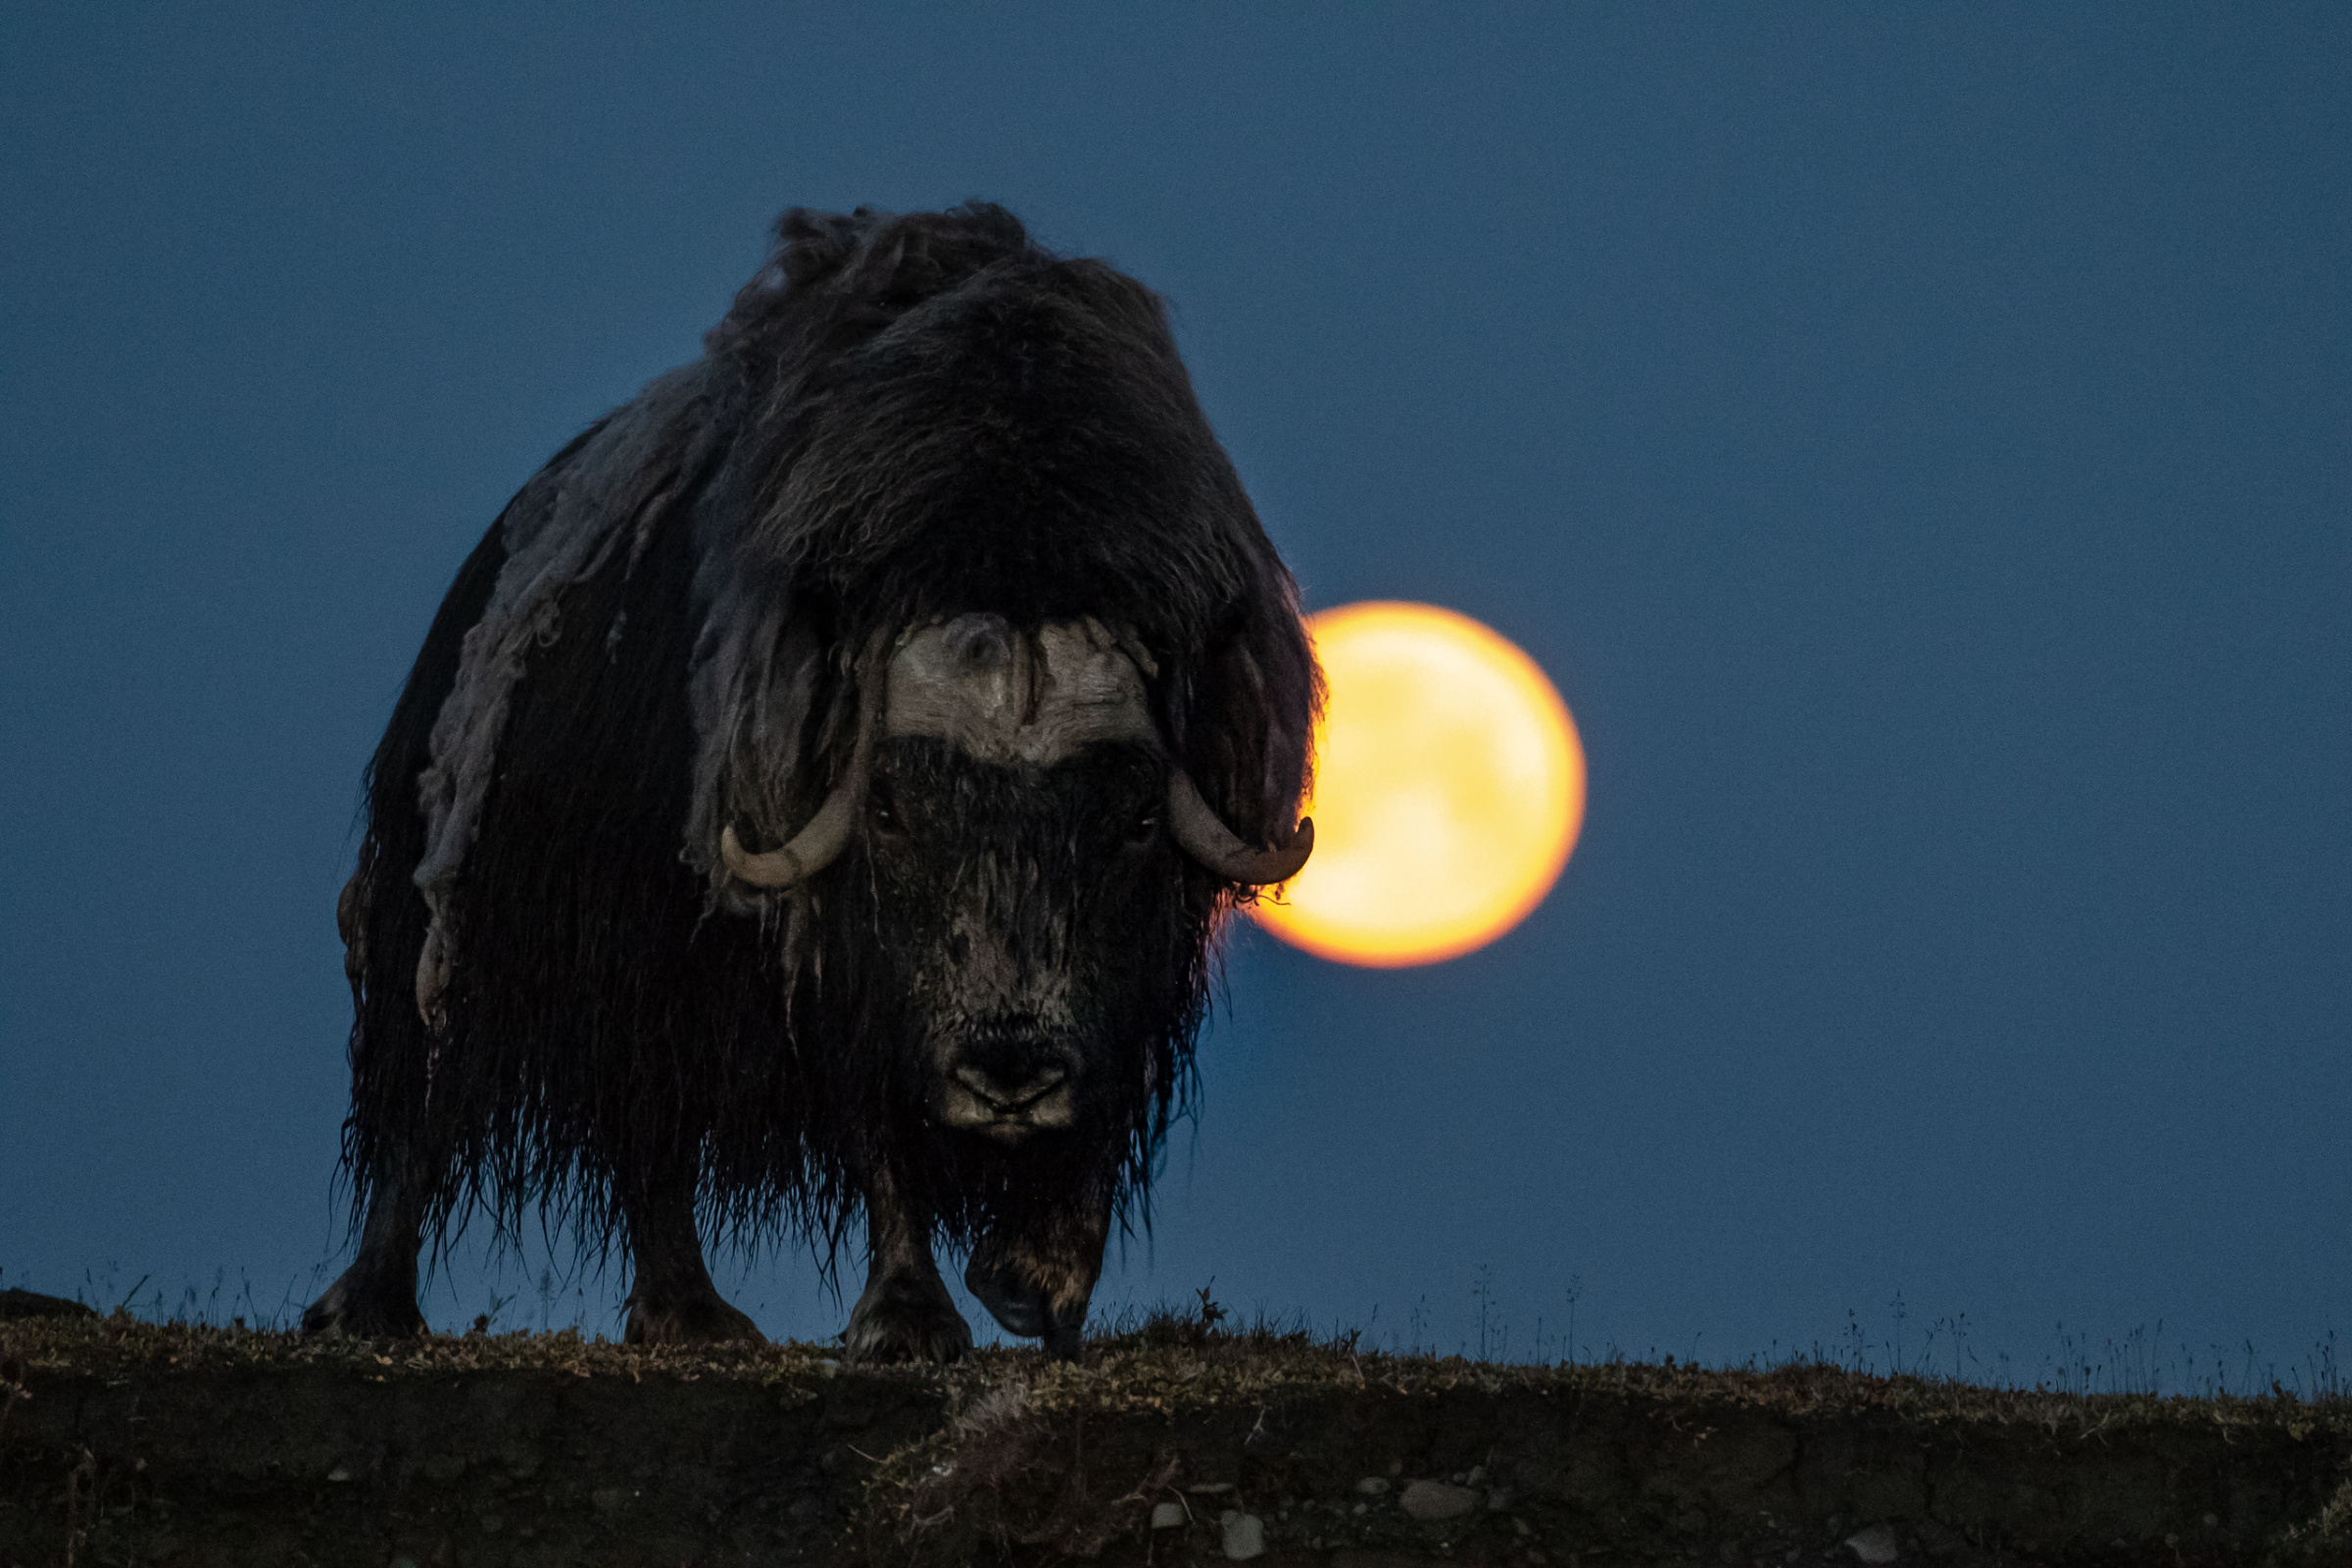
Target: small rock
{"x": 339, "y": 1473}
{"x": 1477, "y": 1476}
{"x": 1875, "y": 1544}
{"x": 1168, "y": 1516}
{"x": 1210, "y": 1488}
{"x": 1373, "y": 1485}
{"x": 1244, "y": 1535}
{"x": 1435, "y": 1500}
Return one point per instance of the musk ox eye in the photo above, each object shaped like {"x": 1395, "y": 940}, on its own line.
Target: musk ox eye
{"x": 883, "y": 809}
{"x": 1142, "y": 829}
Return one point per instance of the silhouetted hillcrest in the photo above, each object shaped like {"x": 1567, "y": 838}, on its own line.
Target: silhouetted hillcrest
{"x": 1175, "y": 1441}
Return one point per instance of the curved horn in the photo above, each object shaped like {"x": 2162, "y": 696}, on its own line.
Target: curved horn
{"x": 812, "y": 849}
{"x": 826, "y": 834}
{"x": 1206, "y": 839}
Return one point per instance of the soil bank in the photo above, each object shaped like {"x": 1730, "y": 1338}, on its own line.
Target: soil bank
{"x": 127, "y": 1443}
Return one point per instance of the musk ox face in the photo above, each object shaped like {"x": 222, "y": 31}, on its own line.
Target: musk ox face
{"x": 1021, "y": 837}
{"x": 1033, "y": 934}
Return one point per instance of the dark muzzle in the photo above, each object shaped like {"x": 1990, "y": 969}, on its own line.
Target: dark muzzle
{"x": 1007, "y": 1084}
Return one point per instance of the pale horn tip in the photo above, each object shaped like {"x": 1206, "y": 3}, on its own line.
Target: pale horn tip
{"x": 1280, "y": 865}
{"x": 777, "y": 868}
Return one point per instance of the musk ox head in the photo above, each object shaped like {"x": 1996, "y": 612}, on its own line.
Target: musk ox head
{"x": 1024, "y": 839}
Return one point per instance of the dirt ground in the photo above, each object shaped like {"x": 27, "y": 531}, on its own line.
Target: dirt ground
{"x": 125, "y": 1442}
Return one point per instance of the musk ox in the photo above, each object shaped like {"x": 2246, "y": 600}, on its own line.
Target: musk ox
{"x": 818, "y": 795}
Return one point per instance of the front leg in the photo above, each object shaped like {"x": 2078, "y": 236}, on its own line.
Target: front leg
{"x": 906, "y": 1313}
{"x": 375, "y": 1299}
{"x": 671, "y": 1300}
{"x": 1037, "y": 1278}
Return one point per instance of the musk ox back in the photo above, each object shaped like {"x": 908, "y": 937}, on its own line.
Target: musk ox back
{"x": 818, "y": 795}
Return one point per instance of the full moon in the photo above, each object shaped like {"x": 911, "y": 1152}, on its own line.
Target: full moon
{"x": 1449, "y": 785}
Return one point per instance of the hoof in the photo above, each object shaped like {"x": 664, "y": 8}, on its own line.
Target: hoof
{"x": 703, "y": 1319}
{"x": 362, "y": 1307}
{"x": 1016, "y": 1304}
{"x": 899, "y": 1321}
{"x": 1020, "y": 1304}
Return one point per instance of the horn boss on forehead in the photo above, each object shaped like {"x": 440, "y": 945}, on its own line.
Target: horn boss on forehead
{"x": 1007, "y": 694}
{"x": 1004, "y": 695}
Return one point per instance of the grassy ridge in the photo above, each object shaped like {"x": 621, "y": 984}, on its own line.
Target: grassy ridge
{"x": 1311, "y": 1441}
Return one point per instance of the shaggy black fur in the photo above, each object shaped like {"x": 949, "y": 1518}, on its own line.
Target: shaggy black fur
{"x": 901, "y": 419}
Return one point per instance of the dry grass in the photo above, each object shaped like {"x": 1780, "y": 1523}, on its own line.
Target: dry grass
{"x": 1168, "y": 1361}
{"x": 1020, "y": 1447}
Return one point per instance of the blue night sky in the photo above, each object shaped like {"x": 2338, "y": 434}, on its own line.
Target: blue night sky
{"x": 1913, "y": 439}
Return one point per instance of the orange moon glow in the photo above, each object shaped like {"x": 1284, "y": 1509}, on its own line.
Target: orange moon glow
{"x": 1449, "y": 785}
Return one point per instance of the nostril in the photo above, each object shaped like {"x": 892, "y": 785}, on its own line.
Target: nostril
{"x": 981, "y": 1084}
{"x": 1044, "y": 1084}
{"x": 1005, "y": 1097}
